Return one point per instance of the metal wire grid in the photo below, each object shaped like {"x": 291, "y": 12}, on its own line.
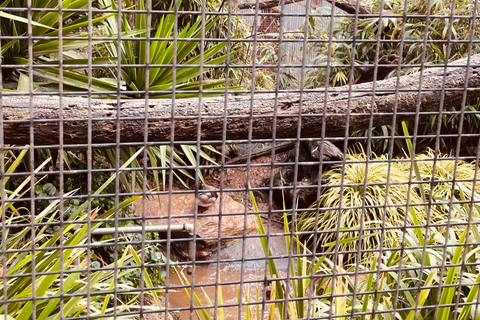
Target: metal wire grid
{"x": 37, "y": 298}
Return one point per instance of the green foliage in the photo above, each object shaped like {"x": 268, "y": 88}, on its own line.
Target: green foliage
{"x": 439, "y": 29}
{"x": 440, "y": 182}
{"x": 411, "y": 30}
{"x": 152, "y": 254}
{"x": 449, "y": 128}
{"x": 163, "y": 52}
{"x": 47, "y": 285}
{"x": 360, "y": 190}
{"x": 449, "y": 275}
{"x": 431, "y": 278}
{"x": 158, "y": 157}
{"x": 59, "y": 271}
{"x": 449, "y": 124}
{"x": 46, "y": 51}
{"x": 429, "y": 288}
{"x": 44, "y": 24}
{"x": 134, "y": 26}
{"x": 130, "y": 181}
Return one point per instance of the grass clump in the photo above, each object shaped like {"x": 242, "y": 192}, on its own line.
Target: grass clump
{"x": 356, "y": 196}
{"x": 49, "y": 270}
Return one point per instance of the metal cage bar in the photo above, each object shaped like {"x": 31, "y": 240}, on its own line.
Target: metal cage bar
{"x": 240, "y": 160}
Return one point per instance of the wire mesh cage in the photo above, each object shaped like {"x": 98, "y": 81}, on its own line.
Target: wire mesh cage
{"x": 240, "y": 160}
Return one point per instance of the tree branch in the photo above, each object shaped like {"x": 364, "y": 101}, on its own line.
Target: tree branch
{"x": 360, "y": 104}
{"x": 349, "y": 6}
{"x": 266, "y": 4}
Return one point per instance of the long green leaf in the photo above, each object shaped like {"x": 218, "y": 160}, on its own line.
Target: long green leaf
{"x": 147, "y": 279}
{"x": 75, "y": 79}
{"x": 51, "y": 18}
{"x": 448, "y": 293}
{"x": 472, "y": 296}
{"x": 53, "y": 303}
{"x": 81, "y": 23}
{"x": 418, "y": 175}
{"x": 188, "y": 151}
{"x": 112, "y": 282}
{"x": 169, "y": 51}
{"x": 52, "y": 46}
{"x": 14, "y": 165}
{"x": 423, "y": 296}
{"x": 8, "y": 45}
{"x": 23, "y": 20}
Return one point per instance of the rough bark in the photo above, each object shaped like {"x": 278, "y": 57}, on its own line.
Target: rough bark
{"x": 358, "y": 101}
{"x": 257, "y": 154}
{"x": 349, "y": 6}
{"x": 266, "y": 4}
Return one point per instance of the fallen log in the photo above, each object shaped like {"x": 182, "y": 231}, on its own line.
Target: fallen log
{"x": 360, "y": 102}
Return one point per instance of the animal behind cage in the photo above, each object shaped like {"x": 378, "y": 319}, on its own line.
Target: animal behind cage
{"x": 240, "y": 160}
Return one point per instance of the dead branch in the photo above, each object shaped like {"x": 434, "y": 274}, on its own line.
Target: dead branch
{"x": 349, "y": 6}
{"x": 266, "y": 4}
{"x": 358, "y": 102}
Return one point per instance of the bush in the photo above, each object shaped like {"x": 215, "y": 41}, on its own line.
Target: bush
{"x": 441, "y": 281}
{"x": 61, "y": 256}
{"x": 357, "y": 195}
{"x": 360, "y": 190}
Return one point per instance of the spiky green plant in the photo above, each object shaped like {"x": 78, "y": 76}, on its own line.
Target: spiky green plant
{"x": 56, "y": 272}
{"x": 440, "y": 185}
{"x": 46, "y": 23}
{"x": 396, "y": 28}
{"x": 412, "y": 30}
{"x": 19, "y": 264}
{"x": 162, "y": 52}
{"x": 431, "y": 279}
{"x": 358, "y": 196}
{"x": 427, "y": 289}
{"x": 159, "y": 156}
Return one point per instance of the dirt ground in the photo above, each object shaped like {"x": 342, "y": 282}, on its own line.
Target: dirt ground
{"x": 257, "y": 175}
